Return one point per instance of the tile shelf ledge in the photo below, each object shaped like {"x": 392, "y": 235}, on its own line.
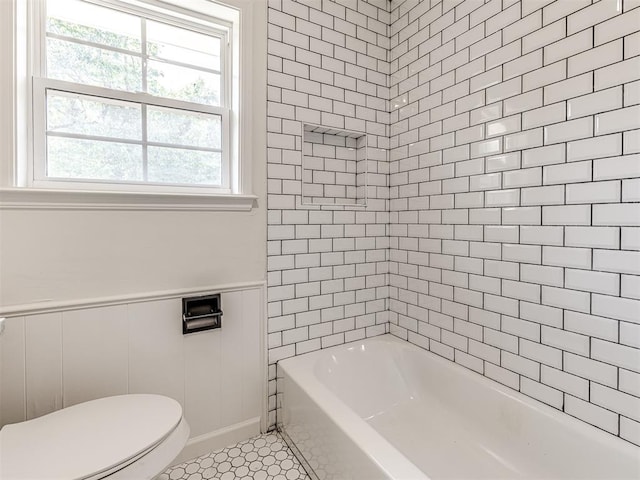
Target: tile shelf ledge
{"x": 18, "y": 198}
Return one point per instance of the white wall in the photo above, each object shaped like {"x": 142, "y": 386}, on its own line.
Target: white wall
{"x": 53, "y": 360}
{"x": 60, "y": 255}
{"x": 69, "y": 258}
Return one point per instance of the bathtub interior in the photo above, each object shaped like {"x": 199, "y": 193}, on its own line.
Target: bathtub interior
{"x": 453, "y": 423}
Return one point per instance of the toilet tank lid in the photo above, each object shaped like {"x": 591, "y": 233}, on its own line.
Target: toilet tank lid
{"x": 86, "y": 439}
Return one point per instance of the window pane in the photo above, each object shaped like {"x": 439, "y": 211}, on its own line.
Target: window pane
{"x": 91, "y": 23}
{"x": 93, "y": 66}
{"x": 172, "y": 81}
{"x": 73, "y": 113}
{"x": 180, "y": 127}
{"x": 93, "y": 160}
{"x": 174, "y": 165}
{"x": 184, "y": 46}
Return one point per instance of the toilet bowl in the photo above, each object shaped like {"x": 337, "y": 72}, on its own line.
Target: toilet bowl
{"x": 116, "y": 438}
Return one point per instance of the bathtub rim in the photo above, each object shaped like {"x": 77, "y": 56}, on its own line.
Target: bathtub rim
{"x": 298, "y": 366}
{"x": 378, "y": 449}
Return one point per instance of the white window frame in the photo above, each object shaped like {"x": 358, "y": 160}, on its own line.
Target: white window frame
{"x": 17, "y": 191}
{"x": 41, "y": 84}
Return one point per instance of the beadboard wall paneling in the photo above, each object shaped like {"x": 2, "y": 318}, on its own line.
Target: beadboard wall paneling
{"x": 55, "y": 360}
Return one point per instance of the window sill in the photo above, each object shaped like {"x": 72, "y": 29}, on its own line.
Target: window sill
{"x": 49, "y": 199}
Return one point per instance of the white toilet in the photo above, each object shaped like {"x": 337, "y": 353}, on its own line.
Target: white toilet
{"x": 122, "y": 437}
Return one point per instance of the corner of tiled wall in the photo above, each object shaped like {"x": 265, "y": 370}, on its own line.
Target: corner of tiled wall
{"x": 503, "y": 225}
{"x": 327, "y": 265}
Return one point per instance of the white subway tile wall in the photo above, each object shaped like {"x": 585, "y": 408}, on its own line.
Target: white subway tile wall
{"x": 503, "y": 228}
{"x": 541, "y": 292}
{"x": 327, "y": 264}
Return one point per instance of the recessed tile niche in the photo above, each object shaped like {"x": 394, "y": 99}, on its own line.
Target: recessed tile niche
{"x": 334, "y": 167}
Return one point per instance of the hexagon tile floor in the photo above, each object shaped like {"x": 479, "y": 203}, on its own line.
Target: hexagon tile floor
{"x": 265, "y": 457}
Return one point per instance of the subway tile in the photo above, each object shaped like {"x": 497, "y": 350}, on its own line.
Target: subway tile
{"x": 522, "y": 178}
{"x": 632, "y": 93}
{"x": 572, "y": 87}
{"x": 569, "y": 46}
{"x": 622, "y": 214}
{"x": 593, "y": 237}
{"x": 630, "y": 382}
{"x": 548, "y": 155}
{"x": 630, "y": 286}
{"x": 630, "y": 238}
{"x": 592, "y": 148}
{"x": 632, "y": 45}
{"x": 617, "y": 261}
{"x": 553, "y": 113}
{"x": 495, "y": 196}
{"x": 592, "y": 15}
{"x": 617, "y": 74}
{"x": 566, "y": 215}
{"x": 570, "y": 130}
{"x": 504, "y": 54}
{"x": 547, "y": 75}
{"x": 595, "y": 58}
{"x": 590, "y": 413}
{"x": 566, "y": 257}
{"x": 625, "y": 309}
{"x": 618, "y": 120}
{"x": 567, "y": 173}
{"x": 541, "y": 353}
{"x": 520, "y": 365}
{"x": 498, "y": 163}
{"x": 626, "y": 166}
{"x": 567, "y": 299}
{"x": 579, "y": 387}
{"x": 503, "y": 90}
{"x": 612, "y": 399}
{"x": 502, "y": 198}
{"x": 591, "y": 325}
{"x": 526, "y": 101}
{"x": 598, "y": 102}
{"x": 521, "y": 216}
{"x": 548, "y": 195}
{"x": 503, "y": 126}
{"x": 549, "y": 34}
{"x": 630, "y": 430}
{"x": 594, "y": 192}
{"x": 520, "y": 28}
{"x": 630, "y": 334}
{"x": 527, "y": 139}
{"x": 598, "y": 282}
{"x": 590, "y": 369}
{"x": 543, "y": 275}
{"x": 530, "y": 6}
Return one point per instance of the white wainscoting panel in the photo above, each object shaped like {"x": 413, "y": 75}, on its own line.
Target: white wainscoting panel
{"x": 57, "y": 359}
{"x": 43, "y": 363}
{"x": 12, "y": 368}
{"x": 156, "y": 349}
{"x": 95, "y": 353}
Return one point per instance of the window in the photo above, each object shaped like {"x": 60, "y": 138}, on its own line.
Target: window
{"x": 133, "y": 96}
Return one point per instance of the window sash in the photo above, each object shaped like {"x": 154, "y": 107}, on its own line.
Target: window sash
{"x": 39, "y": 174}
{"x": 41, "y": 84}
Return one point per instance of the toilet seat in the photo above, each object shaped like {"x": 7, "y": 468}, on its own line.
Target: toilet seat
{"x": 109, "y": 437}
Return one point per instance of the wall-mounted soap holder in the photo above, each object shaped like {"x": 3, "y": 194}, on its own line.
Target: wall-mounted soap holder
{"x": 201, "y": 313}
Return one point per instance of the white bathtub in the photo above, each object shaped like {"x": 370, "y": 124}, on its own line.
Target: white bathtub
{"x": 383, "y": 408}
